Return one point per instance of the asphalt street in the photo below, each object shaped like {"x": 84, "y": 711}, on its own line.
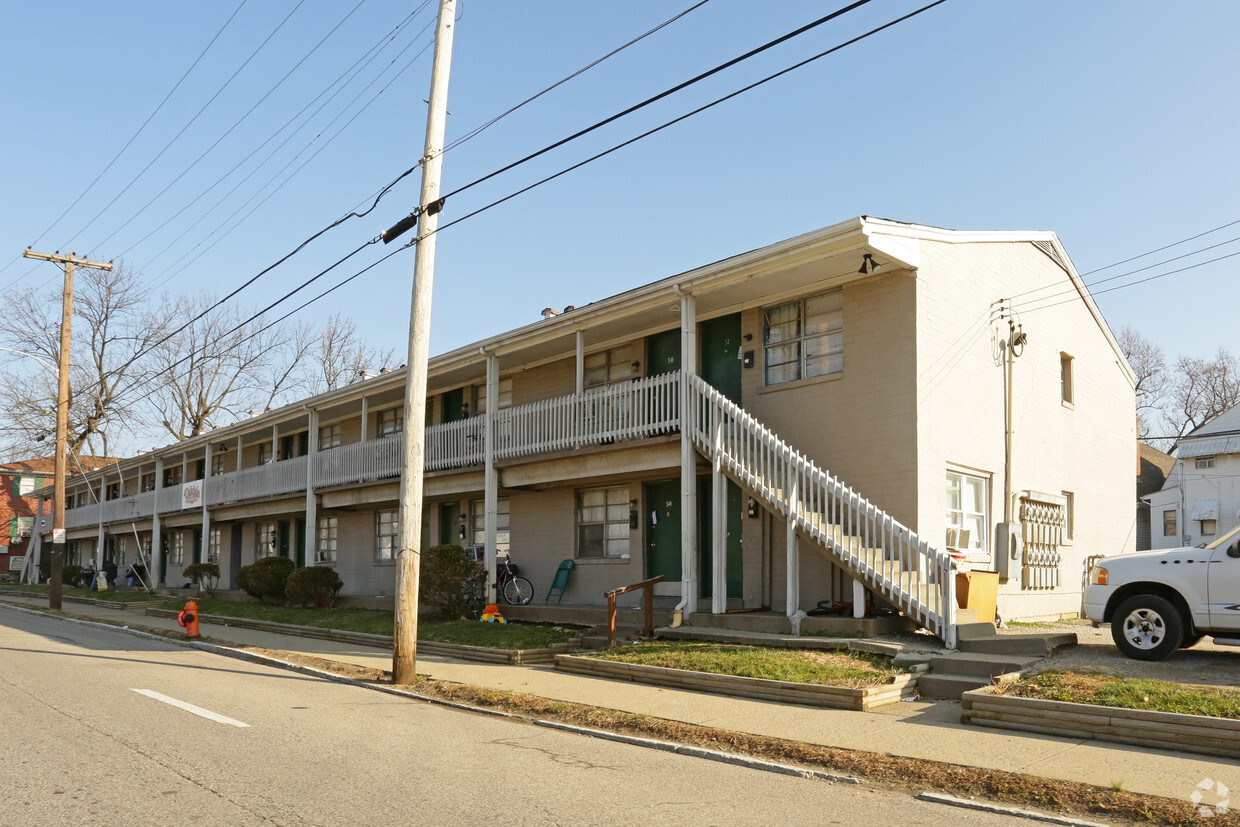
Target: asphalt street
{"x": 102, "y": 727}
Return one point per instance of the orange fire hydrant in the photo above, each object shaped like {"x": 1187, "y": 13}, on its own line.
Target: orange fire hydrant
{"x": 188, "y": 618}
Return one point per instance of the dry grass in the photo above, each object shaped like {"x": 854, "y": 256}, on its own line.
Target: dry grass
{"x": 1127, "y": 693}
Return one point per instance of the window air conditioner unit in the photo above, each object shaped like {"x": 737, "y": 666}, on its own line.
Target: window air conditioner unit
{"x": 953, "y": 536}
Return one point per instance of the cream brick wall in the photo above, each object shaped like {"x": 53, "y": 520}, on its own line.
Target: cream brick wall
{"x": 1088, "y": 448}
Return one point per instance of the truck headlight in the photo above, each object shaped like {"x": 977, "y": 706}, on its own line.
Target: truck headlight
{"x": 1097, "y": 576}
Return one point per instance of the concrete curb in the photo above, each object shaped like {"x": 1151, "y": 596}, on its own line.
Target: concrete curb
{"x": 982, "y": 806}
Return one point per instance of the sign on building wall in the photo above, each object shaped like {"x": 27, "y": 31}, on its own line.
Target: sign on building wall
{"x": 16, "y": 563}
{"x": 191, "y": 494}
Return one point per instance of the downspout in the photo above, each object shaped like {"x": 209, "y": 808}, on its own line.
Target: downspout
{"x": 688, "y": 460}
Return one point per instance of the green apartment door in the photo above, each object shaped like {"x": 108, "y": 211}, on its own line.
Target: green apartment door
{"x": 454, "y": 405}
{"x": 663, "y": 352}
{"x": 720, "y": 343}
{"x": 732, "y": 498}
{"x": 449, "y": 524}
{"x": 662, "y": 520}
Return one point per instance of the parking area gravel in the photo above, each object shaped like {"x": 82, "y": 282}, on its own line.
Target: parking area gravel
{"x": 1206, "y": 663}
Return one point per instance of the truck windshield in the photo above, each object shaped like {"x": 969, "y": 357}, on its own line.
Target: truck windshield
{"x": 1221, "y": 540}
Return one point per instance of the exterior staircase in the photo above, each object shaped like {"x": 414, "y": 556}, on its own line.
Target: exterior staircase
{"x": 955, "y": 673}
{"x": 887, "y": 557}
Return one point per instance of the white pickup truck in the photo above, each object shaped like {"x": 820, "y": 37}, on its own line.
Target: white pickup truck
{"x": 1161, "y": 601}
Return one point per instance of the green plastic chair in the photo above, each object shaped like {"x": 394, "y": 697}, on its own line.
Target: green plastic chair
{"x": 562, "y": 575}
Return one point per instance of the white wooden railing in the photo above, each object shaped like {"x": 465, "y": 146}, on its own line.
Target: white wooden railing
{"x": 359, "y": 462}
{"x": 639, "y": 409}
{"x": 888, "y": 557}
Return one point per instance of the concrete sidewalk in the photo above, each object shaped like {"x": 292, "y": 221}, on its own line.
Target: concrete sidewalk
{"x": 917, "y": 729}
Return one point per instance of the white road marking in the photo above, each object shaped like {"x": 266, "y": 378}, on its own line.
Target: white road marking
{"x": 197, "y": 710}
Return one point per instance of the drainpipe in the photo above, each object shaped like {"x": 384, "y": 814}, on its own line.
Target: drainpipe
{"x": 688, "y": 459}
{"x": 312, "y": 453}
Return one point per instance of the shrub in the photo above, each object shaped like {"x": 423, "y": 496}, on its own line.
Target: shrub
{"x": 206, "y": 575}
{"x": 265, "y": 578}
{"x": 317, "y": 585}
{"x": 70, "y": 575}
{"x": 445, "y": 576}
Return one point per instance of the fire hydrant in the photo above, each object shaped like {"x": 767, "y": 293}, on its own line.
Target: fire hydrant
{"x": 188, "y": 618}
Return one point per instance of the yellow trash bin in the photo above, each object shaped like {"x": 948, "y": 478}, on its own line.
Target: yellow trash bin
{"x": 978, "y": 590}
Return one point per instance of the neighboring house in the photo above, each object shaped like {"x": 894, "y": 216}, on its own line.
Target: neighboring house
{"x": 18, "y": 483}
{"x": 1200, "y": 499}
{"x": 846, "y": 394}
{"x": 1152, "y": 471}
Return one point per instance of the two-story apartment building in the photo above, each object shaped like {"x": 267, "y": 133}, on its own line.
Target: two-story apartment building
{"x": 831, "y": 417}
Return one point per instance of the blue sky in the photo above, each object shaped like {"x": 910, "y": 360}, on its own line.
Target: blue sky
{"x": 1112, "y": 123}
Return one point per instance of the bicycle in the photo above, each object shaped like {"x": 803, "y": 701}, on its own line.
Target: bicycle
{"x": 516, "y": 590}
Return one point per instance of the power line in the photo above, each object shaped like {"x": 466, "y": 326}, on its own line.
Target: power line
{"x": 473, "y": 133}
{"x": 230, "y": 129}
{"x": 190, "y": 123}
{"x": 1160, "y": 249}
{"x": 132, "y": 138}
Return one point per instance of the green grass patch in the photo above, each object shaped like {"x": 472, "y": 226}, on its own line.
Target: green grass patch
{"x": 824, "y": 668}
{"x": 1128, "y": 693}
{"x": 380, "y": 622}
{"x": 68, "y": 591}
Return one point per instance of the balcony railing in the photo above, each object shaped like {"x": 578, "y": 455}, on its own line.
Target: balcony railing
{"x": 640, "y": 409}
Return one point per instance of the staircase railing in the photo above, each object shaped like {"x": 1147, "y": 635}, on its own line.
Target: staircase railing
{"x": 889, "y": 558}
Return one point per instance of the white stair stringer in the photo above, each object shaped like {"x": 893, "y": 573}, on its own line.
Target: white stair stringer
{"x": 889, "y": 558}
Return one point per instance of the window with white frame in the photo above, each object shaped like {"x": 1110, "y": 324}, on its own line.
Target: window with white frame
{"x": 1203, "y": 462}
{"x": 1170, "y": 523}
{"x": 122, "y": 546}
{"x": 213, "y": 546}
{"x": 147, "y": 483}
{"x": 477, "y": 510}
{"x": 217, "y": 464}
{"x": 967, "y": 507}
{"x": 172, "y": 476}
{"x": 386, "y": 530}
{"x": 607, "y": 367}
{"x": 325, "y": 541}
{"x": 265, "y": 454}
{"x": 176, "y": 553}
{"x": 329, "y": 436}
{"x": 505, "y": 396}
{"x": 113, "y": 491}
{"x": 603, "y": 522}
{"x": 1069, "y": 516}
{"x": 389, "y": 422}
{"x": 265, "y": 540}
{"x": 1066, "y": 391}
{"x": 804, "y": 338}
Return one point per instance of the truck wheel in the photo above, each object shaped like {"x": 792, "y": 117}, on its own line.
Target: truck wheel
{"x": 1147, "y": 627}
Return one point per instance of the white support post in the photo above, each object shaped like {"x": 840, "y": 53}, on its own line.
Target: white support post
{"x": 275, "y": 442}
{"x": 103, "y": 484}
{"x": 858, "y": 598}
{"x": 239, "y": 447}
{"x": 184, "y": 469}
{"x": 688, "y": 460}
{"x": 156, "y": 535}
{"x": 581, "y": 362}
{"x": 793, "y": 550}
{"x": 205, "y": 541}
{"x": 490, "y": 503}
{"x": 719, "y": 517}
{"x": 312, "y": 513}
{"x": 365, "y": 417}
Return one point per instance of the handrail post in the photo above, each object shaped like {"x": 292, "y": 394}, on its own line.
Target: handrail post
{"x": 611, "y": 619}
{"x": 648, "y": 610}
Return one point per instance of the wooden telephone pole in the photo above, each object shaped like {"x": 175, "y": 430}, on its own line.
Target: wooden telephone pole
{"x": 405, "y": 633}
{"x": 62, "y": 414}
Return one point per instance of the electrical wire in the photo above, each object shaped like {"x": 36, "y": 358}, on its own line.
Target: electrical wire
{"x": 229, "y": 131}
{"x": 1164, "y": 247}
{"x": 132, "y": 138}
{"x": 660, "y": 96}
{"x": 478, "y": 130}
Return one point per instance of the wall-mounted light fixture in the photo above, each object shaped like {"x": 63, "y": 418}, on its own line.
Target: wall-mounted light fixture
{"x": 747, "y": 359}
{"x": 633, "y": 514}
{"x": 751, "y": 508}
{"x": 461, "y": 529}
{"x": 868, "y": 265}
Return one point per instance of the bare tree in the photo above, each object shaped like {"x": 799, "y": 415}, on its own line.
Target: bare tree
{"x": 1200, "y": 390}
{"x": 112, "y": 326}
{"x": 1150, "y": 366}
{"x": 221, "y": 366}
{"x": 340, "y": 355}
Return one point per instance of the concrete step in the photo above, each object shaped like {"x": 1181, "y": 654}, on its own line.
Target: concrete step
{"x": 973, "y": 630}
{"x": 1038, "y": 645}
{"x": 597, "y": 638}
{"x": 948, "y": 685}
{"x": 982, "y": 665}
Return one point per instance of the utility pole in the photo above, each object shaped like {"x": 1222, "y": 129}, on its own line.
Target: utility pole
{"x": 62, "y": 414}
{"x": 405, "y": 636}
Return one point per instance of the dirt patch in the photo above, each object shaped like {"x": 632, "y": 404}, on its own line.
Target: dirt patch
{"x": 1206, "y": 663}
